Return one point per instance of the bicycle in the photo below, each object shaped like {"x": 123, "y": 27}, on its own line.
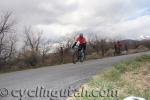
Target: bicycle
{"x": 78, "y": 55}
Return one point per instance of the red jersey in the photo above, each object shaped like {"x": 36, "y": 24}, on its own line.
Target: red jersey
{"x": 118, "y": 43}
{"x": 81, "y": 40}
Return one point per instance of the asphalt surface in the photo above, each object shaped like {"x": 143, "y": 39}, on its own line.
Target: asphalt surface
{"x": 49, "y": 83}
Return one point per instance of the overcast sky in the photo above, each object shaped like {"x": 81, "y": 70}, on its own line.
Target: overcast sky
{"x": 113, "y": 18}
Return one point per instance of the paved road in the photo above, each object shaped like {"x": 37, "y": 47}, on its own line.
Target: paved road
{"x": 37, "y": 84}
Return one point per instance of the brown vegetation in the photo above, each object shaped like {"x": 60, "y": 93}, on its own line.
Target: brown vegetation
{"x": 36, "y": 50}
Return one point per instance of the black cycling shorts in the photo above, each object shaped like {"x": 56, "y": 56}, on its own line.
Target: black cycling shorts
{"x": 82, "y": 46}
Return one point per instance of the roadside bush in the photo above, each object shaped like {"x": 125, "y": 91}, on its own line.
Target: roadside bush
{"x": 143, "y": 58}
{"x": 32, "y": 59}
{"x": 130, "y": 65}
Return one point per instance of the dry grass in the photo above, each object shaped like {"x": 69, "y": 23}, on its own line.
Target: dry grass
{"x": 129, "y": 78}
{"x": 141, "y": 77}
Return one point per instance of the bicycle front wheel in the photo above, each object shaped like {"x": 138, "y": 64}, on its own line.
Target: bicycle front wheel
{"x": 82, "y": 57}
{"x": 75, "y": 57}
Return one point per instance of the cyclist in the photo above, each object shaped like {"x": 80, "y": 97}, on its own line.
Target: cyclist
{"x": 82, "y": 42}
{"x": 117, "y": 46}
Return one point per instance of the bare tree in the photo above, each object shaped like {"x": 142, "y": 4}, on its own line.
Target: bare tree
{"x": 7, "y": 40}
{"x": 63, "y": 48}
{"x": 46, "y": 46}
{"x": 32, "y": 39}
{"x": 103, "y": 46}
{"x": 97, "y": 44}
{"x": 32, "y": 45}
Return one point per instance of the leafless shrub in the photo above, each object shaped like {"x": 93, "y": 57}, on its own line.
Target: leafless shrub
{"x": 7, "y": 38}
{"x": 98, "y": 44}
{"x": 31, "y": 47}
{"x": 45, "y": 48}
{"x": 63, "y": 49}
{"x": 145, "y": 43}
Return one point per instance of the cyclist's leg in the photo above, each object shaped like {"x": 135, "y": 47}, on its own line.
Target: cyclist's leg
{"x": 79, "y": 50}
{"x": 82, "y": 53}
{"x": 84, "y": 49}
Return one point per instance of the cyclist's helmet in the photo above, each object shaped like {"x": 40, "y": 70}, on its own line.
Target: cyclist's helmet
{"x": 81, "y": 35}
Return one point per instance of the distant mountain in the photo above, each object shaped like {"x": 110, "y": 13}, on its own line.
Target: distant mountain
{"x": 130, "y": 41}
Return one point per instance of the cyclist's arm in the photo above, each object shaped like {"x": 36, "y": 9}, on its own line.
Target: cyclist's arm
{"x": 75, "y": 43}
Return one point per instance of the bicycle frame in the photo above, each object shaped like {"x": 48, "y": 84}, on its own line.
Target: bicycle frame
{"x": 78, "y": 55}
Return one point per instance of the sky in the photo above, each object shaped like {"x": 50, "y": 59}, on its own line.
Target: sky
{"x": 107, "y": 18}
